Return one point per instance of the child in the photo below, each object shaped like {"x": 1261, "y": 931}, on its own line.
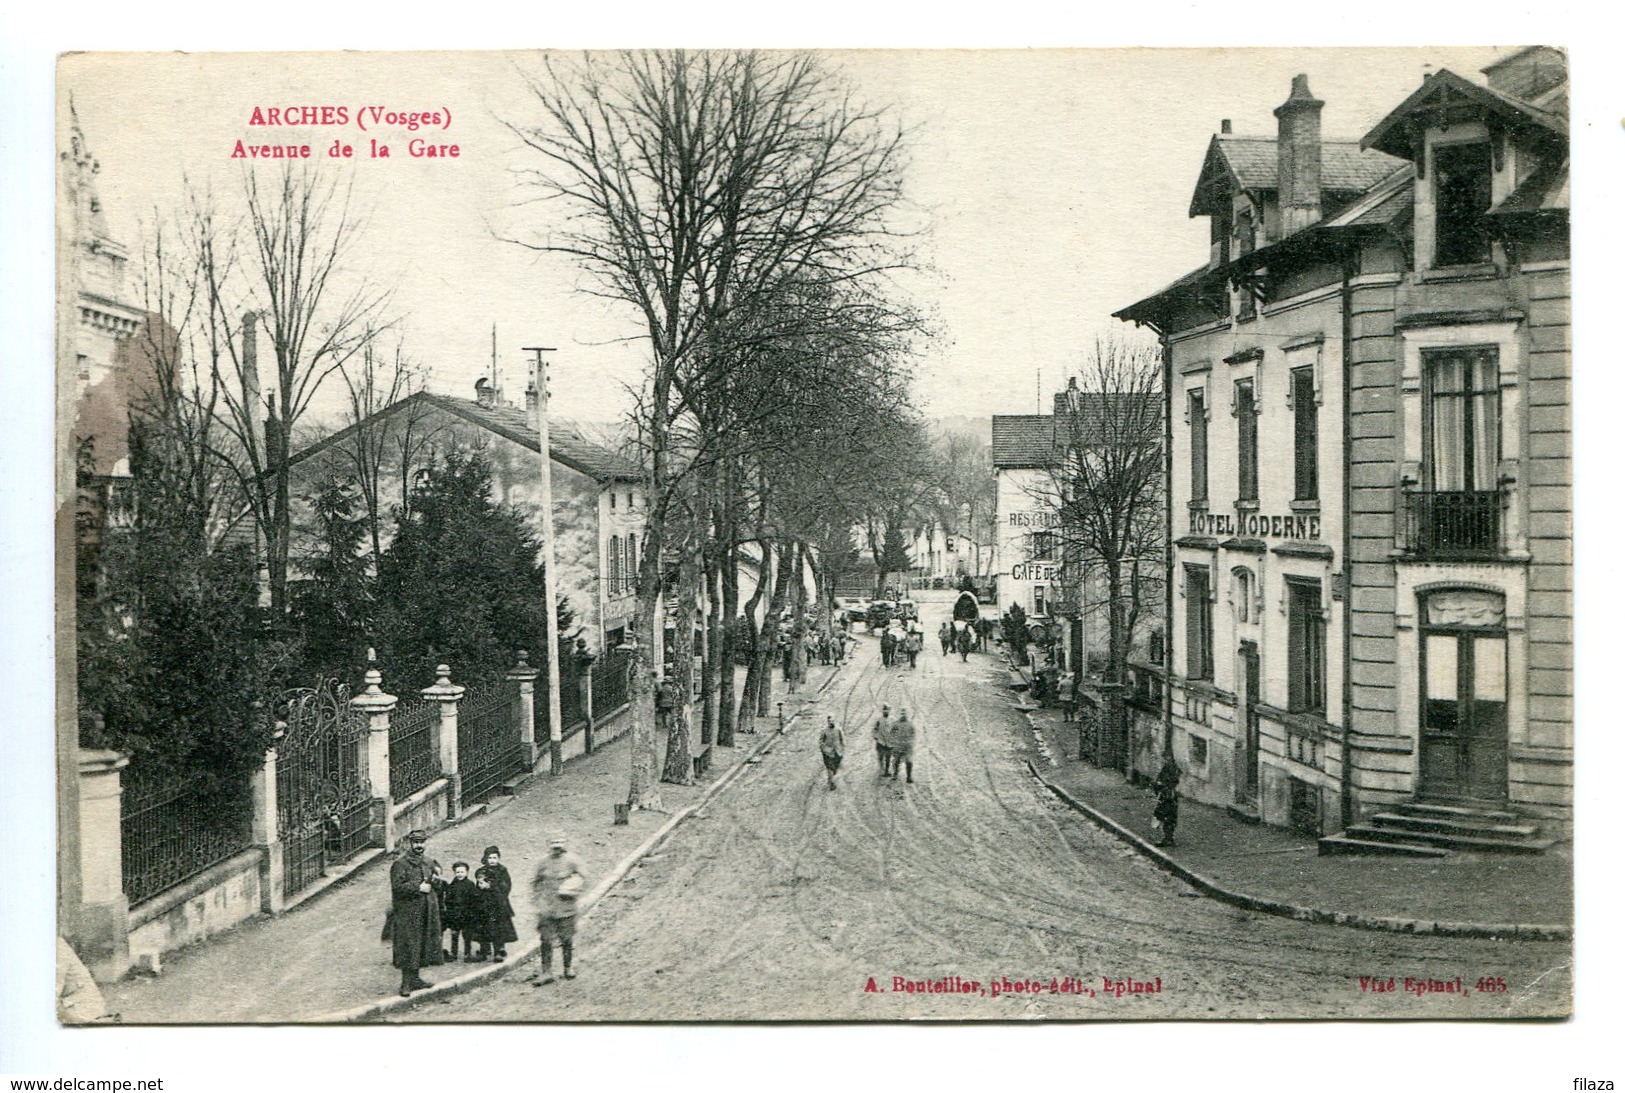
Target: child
{"x": 498, "y": 909}
{"x": 462, "y": 911}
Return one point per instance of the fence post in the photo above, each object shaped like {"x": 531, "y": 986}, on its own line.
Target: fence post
{"x": 523, "y": 674}
{"x": 377, "y": 705}
{"x": 264, "y": 832}
{"x": 447, "y": 693}
{"x": 585, "y": 683}
{"x": 103, "y": 927}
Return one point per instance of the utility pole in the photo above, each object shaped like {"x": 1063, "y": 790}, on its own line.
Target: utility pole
{"x": 538, "y": 416}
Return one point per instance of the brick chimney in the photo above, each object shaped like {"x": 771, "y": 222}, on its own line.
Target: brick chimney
{"x": 1297, "y": 147}
{"x": 484, "y": 393}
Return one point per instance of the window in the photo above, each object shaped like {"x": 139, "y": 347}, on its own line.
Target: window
{"x": 1246, "y": 442}
{"x": 1461, "y": 197}
{"x": 1306, "y": 647}
{"x": 631, "y": 562}
{"x": 1198, "y": 418}
{"x": 1242, "y": 591}
{"x": 1038, "y": 599}
{"x": 1042, "y": 545}
{"x": 1305, "y": 436}
{"x": 1463, "y": 441}
{"x": 612, "y": 497}
{"x": 1198, "y": 622}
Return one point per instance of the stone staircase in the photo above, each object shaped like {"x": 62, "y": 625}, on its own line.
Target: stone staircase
{"x": 1434, "y": 830}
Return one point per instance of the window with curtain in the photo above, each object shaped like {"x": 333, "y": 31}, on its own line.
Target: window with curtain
{"x": 1198, "y": 418}
{"x": 1463, "y": 420}
{"x": 1246, "y": 442}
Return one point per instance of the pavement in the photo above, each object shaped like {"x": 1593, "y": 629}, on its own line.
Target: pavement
{"x": 324, "y": 959}
{"x": 1276, "y": 871}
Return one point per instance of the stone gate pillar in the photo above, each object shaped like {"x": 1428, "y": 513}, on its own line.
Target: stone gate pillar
{"x": 448, "y": 694}
{"x": 264, "y": 832}
{"x": 103, "y": 930}
{"x": 525, "y": 675}
{"x": 377, "y": 706}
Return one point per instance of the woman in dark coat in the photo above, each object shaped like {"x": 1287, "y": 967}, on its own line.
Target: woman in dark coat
{"x": 498, "y": 909}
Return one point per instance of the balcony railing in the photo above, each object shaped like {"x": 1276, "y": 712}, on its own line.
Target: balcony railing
{"x": 1455, "y": 523}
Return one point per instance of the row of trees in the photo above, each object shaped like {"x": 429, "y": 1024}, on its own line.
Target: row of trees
{"x": 749, "y": 211}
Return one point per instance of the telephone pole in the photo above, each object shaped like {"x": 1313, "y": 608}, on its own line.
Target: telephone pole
{"x": 538, "y": 416}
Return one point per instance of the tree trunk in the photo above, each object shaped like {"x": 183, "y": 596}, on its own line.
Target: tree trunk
{"x": 753, "y": 672}
{"x": 796, "y": 673}
{"x": 711, "y": 674}
{"x": 679, "y": 756}
{"x": 727, "y": 705}
{"x": 1113, "y": 724}
{"x": 767, "y": 641}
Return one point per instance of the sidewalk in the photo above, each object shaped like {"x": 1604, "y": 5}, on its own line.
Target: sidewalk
{"x": 1274, "y": 865}
{"x": 324, "y": 958}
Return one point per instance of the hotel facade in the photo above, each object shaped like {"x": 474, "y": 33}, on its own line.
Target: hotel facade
{"x": 1367, "y": 385}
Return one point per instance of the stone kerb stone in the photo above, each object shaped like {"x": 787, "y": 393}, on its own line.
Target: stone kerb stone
{"x": 448, "y": 694}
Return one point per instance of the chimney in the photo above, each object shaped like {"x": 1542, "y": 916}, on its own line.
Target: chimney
{"x": 484, "y": 393}
{"x": 531, "y": 397}
{"x": 1224, "y": 127}
{"x": 1297, "y": 148}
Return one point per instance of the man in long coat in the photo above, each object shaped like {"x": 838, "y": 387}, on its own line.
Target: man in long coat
{"x": 902, "y": 746}
{"x": 415, "y": 913}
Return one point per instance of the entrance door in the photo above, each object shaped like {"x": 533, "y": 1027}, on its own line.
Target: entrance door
{"x": 1247, "y": 784}
{"x": 1464, "y": 722}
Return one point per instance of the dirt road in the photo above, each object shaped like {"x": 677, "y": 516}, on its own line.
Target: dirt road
{"x": 784, "y": 900}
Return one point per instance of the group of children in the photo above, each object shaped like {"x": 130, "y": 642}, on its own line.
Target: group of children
{"x": 477, "y": 912}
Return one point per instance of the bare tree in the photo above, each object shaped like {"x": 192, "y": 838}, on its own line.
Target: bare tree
{"x": 290, "y": 277}
{"x": 1106, "y": 490}
{"x": 699, "y": 183}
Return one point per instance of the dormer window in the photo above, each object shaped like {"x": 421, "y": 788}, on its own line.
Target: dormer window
{"x": 1461, "y": 180}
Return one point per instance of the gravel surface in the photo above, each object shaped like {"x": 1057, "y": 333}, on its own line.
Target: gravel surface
{"x": 782, "y": 900}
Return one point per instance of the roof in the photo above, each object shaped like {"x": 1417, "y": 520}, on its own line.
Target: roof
{"x": 1253, "y": 163}
{"x": 1445, "y": 95}
{"x": 565, "y": 441}
{"x": 1545, "y": 190}
{"x": 1144, "y": 310}
{"x": 1023, "y": 440}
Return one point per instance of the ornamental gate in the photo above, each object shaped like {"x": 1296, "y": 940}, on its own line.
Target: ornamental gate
{"x": 324, "y": 798}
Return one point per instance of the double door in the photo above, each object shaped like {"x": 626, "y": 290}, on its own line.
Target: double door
{"x": 1464, "y": 718}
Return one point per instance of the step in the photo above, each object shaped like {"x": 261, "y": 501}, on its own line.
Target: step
{"x": 1401, "y": 821}
{"x": 1346, "y": 844}
{"x": 1456, "y": 812}
{"x": 1453, "y": 842}
{"x": 1247, "y": 814}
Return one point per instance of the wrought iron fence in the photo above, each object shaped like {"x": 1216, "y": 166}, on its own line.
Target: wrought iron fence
{"x": 413, "y": 761}
{"x": 572, "y": 710}
{"x": 324, "y": 797}
{"x": 489, "y": 745}
{"x": 175, "y": 825}
{"x": 610, "y": 685}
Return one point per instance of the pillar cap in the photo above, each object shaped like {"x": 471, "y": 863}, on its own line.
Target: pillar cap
{"x": 443, "y": 690}
{"x": 372, "y": 699}
{"x": 101, "y": 760}
{"x": 524, "y": 672}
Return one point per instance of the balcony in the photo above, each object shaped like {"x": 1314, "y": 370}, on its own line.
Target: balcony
{"x": 1454, "y": 523}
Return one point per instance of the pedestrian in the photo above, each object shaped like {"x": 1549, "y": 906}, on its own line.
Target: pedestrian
{"x": 414, "y": 913}
{"x": 883, "y": 740}
{"x": 946, "y": 637}
{"x": 498, "y": 906}
{"x": 888, "y": 647}
{"x": 965, "y": 641}
{"x": 559, "y": 882}
{"x": 1069, "y": 696}
{"x": 462, "y": 908}
{"x": 831, "y": 745}
{"x": 1165, "y": 817}
{"x": 912, "y": 644}
{"x": 902, "y": 748}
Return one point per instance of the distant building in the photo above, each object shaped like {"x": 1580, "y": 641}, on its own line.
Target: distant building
{"x": 1370, "y": 577}
{"x": 600, "y": 505}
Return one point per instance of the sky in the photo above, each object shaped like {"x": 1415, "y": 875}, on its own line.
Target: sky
{"x": 1059, "y": 185}
{"x": 1053, "y": 187}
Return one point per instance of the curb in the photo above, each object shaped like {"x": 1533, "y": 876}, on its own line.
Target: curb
{"x": 1420, "y": 927}
{"x": 526, "y": 950}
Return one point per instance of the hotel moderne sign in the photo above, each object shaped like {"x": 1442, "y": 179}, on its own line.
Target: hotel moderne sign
{"x": 1256, "y": 525}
